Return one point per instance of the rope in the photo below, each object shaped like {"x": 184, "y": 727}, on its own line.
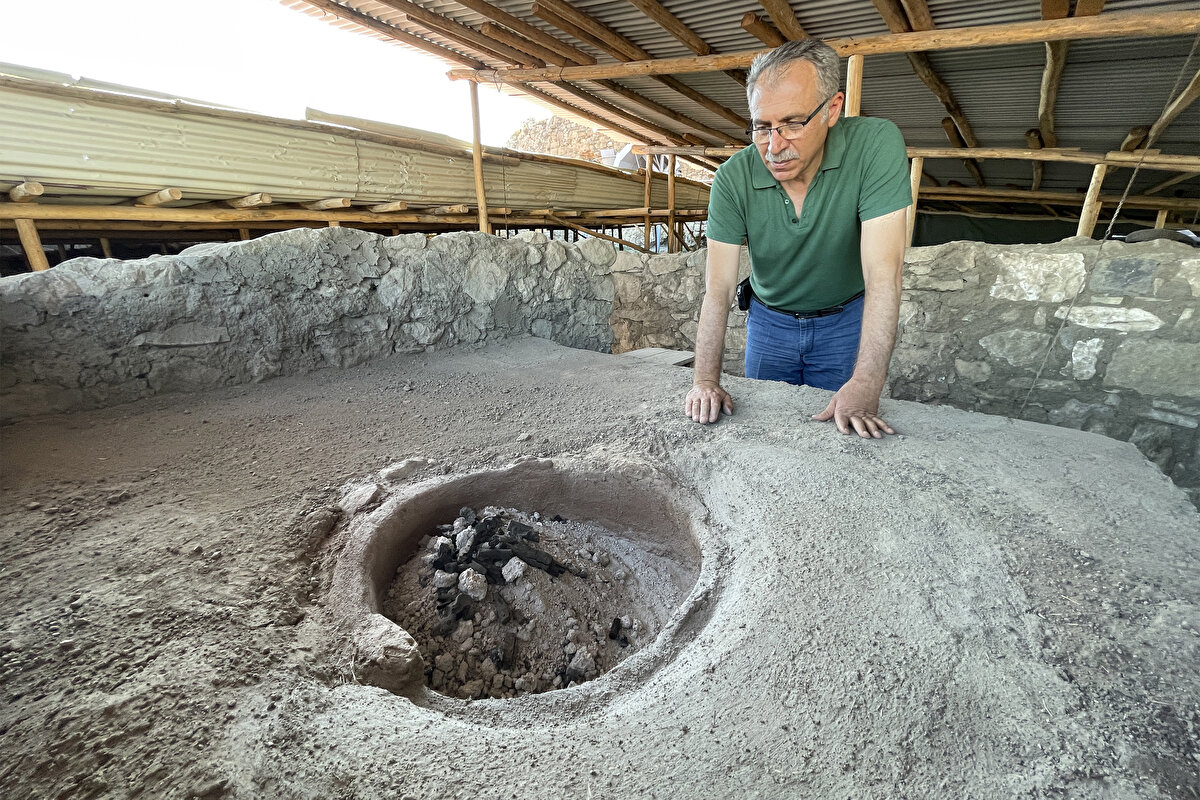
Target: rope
{"x": 1108, "y": 232}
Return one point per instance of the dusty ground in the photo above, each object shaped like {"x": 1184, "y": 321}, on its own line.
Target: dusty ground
{"x": 978, "y": 608}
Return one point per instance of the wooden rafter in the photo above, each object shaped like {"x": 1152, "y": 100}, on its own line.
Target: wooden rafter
{"x": 761, "y": 29}
{"x": 519, "y": 42}
{"x": 1033, "y": 140}
{"x": 1169, "y": 182}
{"x": 1175, "y": 108}
{"x": 952, "y": 133}
{"x": 674, "y": 26}
{"x": 781, "y": 13}
{"x": 662, "y": 110}
{"x": 1114, "y": 25}
{"x": 26, "y": 192}
{"x": 1056, "y": 60}
{"x": 520, "y": 26}
{"x": 392, "y": 32}
{"x": 463, "y": 34}
{"x": 557, "y": 12}
{"x": 898, "y": 21}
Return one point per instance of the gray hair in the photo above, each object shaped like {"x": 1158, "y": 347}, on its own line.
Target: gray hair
{"x": 814, "y": 51}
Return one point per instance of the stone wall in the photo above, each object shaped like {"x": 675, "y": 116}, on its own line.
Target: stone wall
{"x": 90, "y": 332}
{"x": 977, "y": 320}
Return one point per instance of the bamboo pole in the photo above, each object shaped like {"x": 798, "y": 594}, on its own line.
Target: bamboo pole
{"x": 32, "y": 243}
{"x": 914, "y": 180}
{"x": 672, "y": 239}
{"x": 854, "y": 70}
{"x": 26, "y": 192}
{"x": 1114, "y": 25}
{"x": 1092, "y": 202}
{"x": 485, "y": 225}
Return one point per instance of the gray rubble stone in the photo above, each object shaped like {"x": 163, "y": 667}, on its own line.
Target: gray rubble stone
{"x": 472, "y": 584}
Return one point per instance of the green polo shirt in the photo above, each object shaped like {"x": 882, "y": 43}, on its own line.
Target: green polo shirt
{"x": 812, "y": 262}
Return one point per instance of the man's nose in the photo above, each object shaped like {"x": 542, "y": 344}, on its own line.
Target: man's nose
{"x": 777, "y": 141}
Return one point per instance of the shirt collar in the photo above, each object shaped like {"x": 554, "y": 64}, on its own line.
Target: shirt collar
{"x": 835, "y": 148}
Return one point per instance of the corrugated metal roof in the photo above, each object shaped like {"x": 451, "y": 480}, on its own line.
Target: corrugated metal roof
{"x": 1108, "y": 86}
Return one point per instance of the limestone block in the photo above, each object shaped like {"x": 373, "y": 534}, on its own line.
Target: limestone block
{"x": 1083, "y": 359}
{"x": 485, "y": 279}
{"x": 666, "y": 264}
{"x": 598, "y": 251}
{"x": 628, "y": 288}
{"x": 541, "y": 328}
{"x": 532, "y": 237}
{"x": 1041, "y": 277}
{"x": 602, "y": 288}
{"x": 1127, "y": 275}
{"x": 1189, "y": 270}
{"x": 934, "y": 284}
{"x": 556, "y": 255}
{"x": 1179, "y": 420}
{"x": 628, "y": 261}
{"x": 1106, "y": 300}
{"x": 189, "y": 334}
{"x": 1126, "y": 320}
{"x": 1156, "y": 368}
{"x": 16, "y": 314}
{"x": 1018, "y": 347}
{"x": 406, "y": 241}
{"x": 973, "y": 371}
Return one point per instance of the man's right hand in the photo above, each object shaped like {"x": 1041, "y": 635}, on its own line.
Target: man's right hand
{"x": 706, "y": 401}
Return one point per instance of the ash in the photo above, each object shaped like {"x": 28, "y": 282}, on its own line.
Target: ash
{"x": 504, "y": 603}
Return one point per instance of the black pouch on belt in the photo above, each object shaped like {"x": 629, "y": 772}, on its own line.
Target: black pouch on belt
{"x": 745, "y": 293}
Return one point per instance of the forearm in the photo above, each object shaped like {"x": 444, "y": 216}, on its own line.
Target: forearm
{"x": 881, "y": 312}
{"x": 710, "y": 336}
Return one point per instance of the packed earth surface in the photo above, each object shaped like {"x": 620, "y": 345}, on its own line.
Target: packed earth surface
{"x": 973, "y": 608}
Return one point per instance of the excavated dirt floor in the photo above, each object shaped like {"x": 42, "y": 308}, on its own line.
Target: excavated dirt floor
{"x": 975, "y": 608}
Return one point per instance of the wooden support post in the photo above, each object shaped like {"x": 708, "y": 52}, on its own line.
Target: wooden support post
{"x": 333, "y": 223}
{"x": 1161, "y": 220}
{"x": 1091, "y": 203}
{"x": 477, "y": 158}
{"x": 914, "y": 180}
{"x": 672, "y": 242}
{"x": 106, "y": 247}
{"x": 250, "y": 201}
{"x": 854, "y": 68}
{"x": 26, "y": 192}
{"x": 32, "y": 244}
{"x": 244, "y": 234}
{"x": 646, "y": 198}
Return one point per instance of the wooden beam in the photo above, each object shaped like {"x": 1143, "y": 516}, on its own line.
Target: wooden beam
{"x": 1134, "y": 139}
{"x": 918, "y": 14}
{"x": 1033, "y": 139}
{"x": 567, "y": 18}
{"x": 781, "y": 13}
{"x": 392, "y": 32}
{"x": 1114, "y": 25}
{"x": 250, "y": 201}
{"x": 26, "y": 192}
{"x": 1158, "y": 187}
{"x": 477, "y": 160}
{"x": 854, "y": 71}
{"x": 579, "y": 112}
{"x": 953, "y": 134}
{"x": 557, "y": 220}
{"x": 1072, "y": 199}
{"x": 518, "y": 25}
{"x": 914, "y": 181}
{"x": 646, "y": 198}
{"x": 1160, "y": 221}
{"x": 327, "y": 204}
{"x": 674, "y": 26}
{"x": 658, "y": 108}
{"x": 466, "y": 36}
{"x": 384, "y": 208}
{"x": 158, "y": 198}
{"x": 762, "y": 30}
{"x": 106, "y": 247}
{"x": 1091, "y": 202}
{"x": 518, "y": 42}
{"x": 1088, "y": 8}
{"x": 456, "y": 208}
{"x": 32, "y": 243}
{"x": 1056, "y": 59}
{"x": 1175, "y": 108}
{"x": 672, "y": 240}
{"x": 616, "y": 111}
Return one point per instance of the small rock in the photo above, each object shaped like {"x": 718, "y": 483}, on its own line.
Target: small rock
{"x": 444, "y": 580}
{"x": 464, "y": 631}
{"x": 444, "y": 662}
{"x": 525, "y": 437}
{"x": 404, "y": 469}
{"x": 34, "y": 506}
{"x": 137, "y": 612}
{"x": 471, "y": 689}
{"x": 514, "y": 569}
{"x": 472, "y": 584}
{"x": 465, "y": 540}
{"x": 582, "y": 666}
{"x": 359, "y": 498}
{"x": 468, "y": 514}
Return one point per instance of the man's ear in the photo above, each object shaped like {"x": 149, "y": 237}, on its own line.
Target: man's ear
{"x": 835, "y": 108}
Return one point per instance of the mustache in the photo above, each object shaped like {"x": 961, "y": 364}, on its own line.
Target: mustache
{"x": 779, "y": 158}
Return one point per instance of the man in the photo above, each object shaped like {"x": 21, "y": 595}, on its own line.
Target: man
{"x": 820, "y": 201}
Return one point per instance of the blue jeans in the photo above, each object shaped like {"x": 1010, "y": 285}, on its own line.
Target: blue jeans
{"x": 819, "y": 351}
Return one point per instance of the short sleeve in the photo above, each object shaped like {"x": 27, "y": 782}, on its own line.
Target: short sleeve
{"x": 726, "y": 215}
{"x": 885, "y": 180}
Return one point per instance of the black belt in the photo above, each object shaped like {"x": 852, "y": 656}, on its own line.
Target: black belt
{"x": 824, "y": 312}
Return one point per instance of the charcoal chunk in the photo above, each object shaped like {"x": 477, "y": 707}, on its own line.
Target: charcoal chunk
{"x": 467, "y": 513}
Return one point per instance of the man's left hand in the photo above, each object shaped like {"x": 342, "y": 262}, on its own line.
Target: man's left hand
{"x": 856, "y": 406}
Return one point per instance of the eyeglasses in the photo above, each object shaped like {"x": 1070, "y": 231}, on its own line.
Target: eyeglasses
{"x": 788, "y": 130}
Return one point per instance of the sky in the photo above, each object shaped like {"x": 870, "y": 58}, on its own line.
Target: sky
{"x": 256, "y": 55}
